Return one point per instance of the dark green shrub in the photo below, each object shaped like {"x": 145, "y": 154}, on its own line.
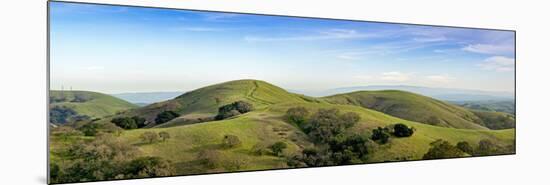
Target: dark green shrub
{"x": 349, "y": 119}
{"x": 233, "y": 109}
{"x": 442, "y": 149}
{"x": 465, "y": 147}
{"x": 278, "y": 147}
{"x": 297, "y": 115}
{"x": 61, "y": 114}
{"x": 486, "y": 147}
{"x": 166, "y": 116}
{"x": 89, "y": 129}
{"x": 402, "y": 130}
{"x": 148, "y": 167}
{"x": 125, "y": 122}
{"x": 380, "y": 135}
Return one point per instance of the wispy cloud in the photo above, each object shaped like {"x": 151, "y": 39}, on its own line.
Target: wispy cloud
{"x": 498, "y": 63}
{"x": 430, "y": 39}
{"x": 494, "y": 49}
{"x": 388, "y": 48}
{"x": 330, "y": 34}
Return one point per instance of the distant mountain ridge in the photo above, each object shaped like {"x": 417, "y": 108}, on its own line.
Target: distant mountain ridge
{"x": 446, "y": 94}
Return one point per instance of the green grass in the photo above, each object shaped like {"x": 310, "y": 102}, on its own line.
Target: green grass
{"x": 258, "y": 126}
{"x": 413, "y": 107}
{"x": 266, "y": 125}
{"x": 204, "y": 102}
{"x": 252, "y": 128}
{"x": 496, "y": 120}
{"x": 99, "y": 105}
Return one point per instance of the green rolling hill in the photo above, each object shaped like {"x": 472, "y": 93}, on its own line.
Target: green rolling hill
{"x": 496, "y": 120}
{"x": 92, "y": 104}
{"x": 204, "y": 102}
{"x": 412, "y": 107}
{"x": 266, "y": 125}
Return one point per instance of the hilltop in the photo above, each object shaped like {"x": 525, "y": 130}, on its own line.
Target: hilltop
{"x": 86, "y": 103}
{"x": 204, "y": 102}
{"x": 412, "y": 107}
{"x": 446, "y": 94}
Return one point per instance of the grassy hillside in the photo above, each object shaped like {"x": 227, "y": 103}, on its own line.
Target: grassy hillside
{"x": 494, "y": 106}
{"x": 412, "y": 107}
{"x": 92, "y": 104}
{"x": 266, "y": 125}
{"x": 204, "y": 102}
{"x": 496, "y": 120}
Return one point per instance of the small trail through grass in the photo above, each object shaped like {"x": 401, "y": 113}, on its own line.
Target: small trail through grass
{"x": 250, "y": 95}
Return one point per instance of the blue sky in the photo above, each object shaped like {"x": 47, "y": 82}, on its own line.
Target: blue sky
{"x": 115, "y": 49}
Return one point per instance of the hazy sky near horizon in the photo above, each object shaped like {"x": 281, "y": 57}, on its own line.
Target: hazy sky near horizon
{"x": 115, "y": 49}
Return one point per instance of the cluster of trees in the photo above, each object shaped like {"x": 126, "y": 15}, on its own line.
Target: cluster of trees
{"x": 62, "y": 115}
{"x": 323, "y": 125}
{"x": 278, "y": 147}
{"x": 269, "y": 148}
{"x": 129, "y": 122}
{"x": 166, "y": 116}
{"x": 443, "y": 149}
{"x": 233, "y": 109}
{"x": 333, "y": 144}
{"x": 106, "y": 158}
{"x": 151, "y": 137}
{"x": 383, "y": 135}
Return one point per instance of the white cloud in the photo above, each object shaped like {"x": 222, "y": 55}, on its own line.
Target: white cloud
{"x": 498, "y": 63}
{"x": 395, "y": 76}
{"x": 430, "y": 39}
{"x": 440, "y": 78}
{"x": 490, "y": 48}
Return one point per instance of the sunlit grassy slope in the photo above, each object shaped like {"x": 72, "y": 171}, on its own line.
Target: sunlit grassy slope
{"x": 97, "y": 105}
{"x": 204, "y": 102}
{"x": 266, "y": 125}
{"x": 496, "y": 120}
{"x": 413, "y": 107}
